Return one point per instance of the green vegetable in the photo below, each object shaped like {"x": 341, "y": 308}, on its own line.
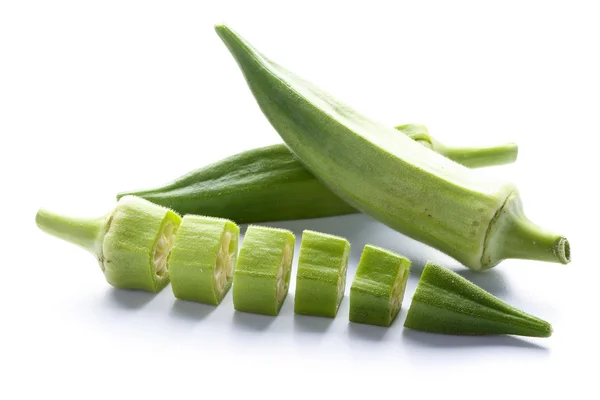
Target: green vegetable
{"x": 202, "y": 261}
{"x": 270, "y": 184}
{"x": 445, "y": 302}
{"x": 378, "y": 288}
{"x": 406, "y": 186}
{"x": 131, "y": 243}
{"x": 262, "y": 274}
{"x": 472, "y": 157}
{"x": 321, "y": 276}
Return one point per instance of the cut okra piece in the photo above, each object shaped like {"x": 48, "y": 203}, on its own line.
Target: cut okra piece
{"x": 321, "y": 276}
{"x": 131, "y": 243}
{"x": 378, "y": 288}
{"x": 448, "y": 303}
{"x": 262, "y": 274}
{"x": 202, "y": 260}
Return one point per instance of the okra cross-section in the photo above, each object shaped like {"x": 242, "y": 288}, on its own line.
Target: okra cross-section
{"x": 321, "y": 276}
{"x": 203, "y": 258}
{"x": 445, "y": 302}
{"x": 262, "y": 274}
{"x": 378, "y": 288}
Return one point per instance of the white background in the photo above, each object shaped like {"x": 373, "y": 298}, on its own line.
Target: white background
{"x": 102, "y": 96}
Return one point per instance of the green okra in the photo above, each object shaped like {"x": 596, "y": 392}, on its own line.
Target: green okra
{"x": 131, "y": 243}
{"x": 470, "y": 217}
{"x": 270, "y": 184}
{"x": 262, "y": 273}
{"x": 378, "y": 287}
{"x": 203, "y": 258}
{"x": 471, "y": 157}
{"x": 321, "y": 275}
{"x": 447, "y": 303}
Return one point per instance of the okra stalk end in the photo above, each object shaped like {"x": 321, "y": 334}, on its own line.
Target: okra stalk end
{"x": 87, "y": 233}
{"x": 512, "y": 235}
{"x": 471, "y": 157}
{"x": 477, "y": 157}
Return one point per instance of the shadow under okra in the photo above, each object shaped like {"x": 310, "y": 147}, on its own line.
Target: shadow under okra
{"x": 436, "y": 340}
{"x": 129, "y": 299}
{"x": 191, "y": 310}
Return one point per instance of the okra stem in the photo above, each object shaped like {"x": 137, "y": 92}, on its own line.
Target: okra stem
{"x": 87, "y": 233}
{"x": 471, "y": 157}
{"x": 527, "y": 240}
{"x": 512, "y": 235}
{"x": 476, "y": 157}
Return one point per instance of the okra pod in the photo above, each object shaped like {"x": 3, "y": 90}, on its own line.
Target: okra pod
{"x": 470, "y": 217}
{"x": 270, "y": 184}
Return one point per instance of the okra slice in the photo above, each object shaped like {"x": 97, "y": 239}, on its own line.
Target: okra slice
{"x": 378, "y": 288}
{"x": 202, "y": 261}
{"x": 262, "y": 274}
{"x": 321, "y": 276}
{"x": 447, "y": 303}
{"x": 131, "y": 244}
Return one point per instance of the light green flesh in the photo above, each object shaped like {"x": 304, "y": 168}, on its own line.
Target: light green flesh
{"x": 163, "y": 247}
{"x": 391, "y": 177}
{"x": 447, "y": 303}
{"x": 378, "y": 287}
{"x": 225, "y": 263}
{"x": 282, "y": 273}
{"x": 398, "y": 293}
{"x": 202, "y": 261}
{"x": 321, "y": 276}
{"x": 341, "y": 284}
{"x": 262, "y": 274}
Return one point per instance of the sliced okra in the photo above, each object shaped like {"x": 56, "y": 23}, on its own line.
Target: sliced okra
{"x": 202, "y": 261}
{"x": 378, "y": 287}
{"x": 321, "y": 276}
{"x": 131, "y": 244}
{"x": 262, "y": 274}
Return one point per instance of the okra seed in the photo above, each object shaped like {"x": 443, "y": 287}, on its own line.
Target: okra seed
{"x": 163, "y": 248}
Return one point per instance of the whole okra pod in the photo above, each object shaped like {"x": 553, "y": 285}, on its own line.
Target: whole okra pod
{"x": 271, "y": 184}
{"x": 405, "y": 185}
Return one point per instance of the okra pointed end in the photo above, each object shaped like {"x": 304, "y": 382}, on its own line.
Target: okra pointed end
{"x": 447, "y": 303}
